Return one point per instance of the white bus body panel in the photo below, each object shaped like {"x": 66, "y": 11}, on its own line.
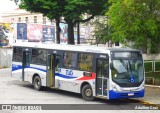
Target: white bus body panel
{"x": 17, "y": 70}
{"x": 37, "y": 69}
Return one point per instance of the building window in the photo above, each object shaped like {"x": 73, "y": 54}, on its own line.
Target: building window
{"x": 44, "y": 20}
{"x": 35, "y": 19}
{"x": 69, "y": 60}
{"x": 85, "y": 61}
{"x": 26, "y": 19}
{"x": 12, "y": 19}
{"x": 19, "y": 19}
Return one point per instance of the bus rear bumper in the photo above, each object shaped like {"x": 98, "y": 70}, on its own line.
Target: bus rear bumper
{"x": 117, "y": 95}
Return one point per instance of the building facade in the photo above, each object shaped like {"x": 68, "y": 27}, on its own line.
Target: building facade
{"x": 23, "y": 16}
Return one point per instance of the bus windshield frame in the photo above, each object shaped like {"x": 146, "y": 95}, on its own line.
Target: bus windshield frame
{"x": 127, "y": 71}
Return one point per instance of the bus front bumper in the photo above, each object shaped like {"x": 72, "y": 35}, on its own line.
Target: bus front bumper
{"x": 117, "y": 95}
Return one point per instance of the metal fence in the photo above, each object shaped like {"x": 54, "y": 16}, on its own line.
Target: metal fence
{"x": 152, "y": 66}
{"x": 151, "y": 69}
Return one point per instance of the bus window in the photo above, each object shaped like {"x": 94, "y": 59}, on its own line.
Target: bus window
{"x": 27, "y": 58}
{"x": 17, "y": 54}
{"x": 69, "y": 60}
{"x": 85, "y": 61}
{"x": 57, "y": 63}
{"x": 125, "y": 70}
{"x": 39, "y": 56}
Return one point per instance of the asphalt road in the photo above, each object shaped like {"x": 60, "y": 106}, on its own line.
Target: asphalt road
{"x": 16, "y": 92}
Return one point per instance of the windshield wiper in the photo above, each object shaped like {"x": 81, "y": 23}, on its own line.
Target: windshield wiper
{"x": 124, "y": 64}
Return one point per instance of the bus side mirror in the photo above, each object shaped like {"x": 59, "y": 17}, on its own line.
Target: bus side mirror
{"x": 111, "y": 65}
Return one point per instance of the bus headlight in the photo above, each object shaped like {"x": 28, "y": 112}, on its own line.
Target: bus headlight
{"x": 114, "y": 88}
{"x": 143, "y": 86}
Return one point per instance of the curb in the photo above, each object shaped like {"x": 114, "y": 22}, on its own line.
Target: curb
{"x": 152, "y": 86}
{"x": 150, "y": 104}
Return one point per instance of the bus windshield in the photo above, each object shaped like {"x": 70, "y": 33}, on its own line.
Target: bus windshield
{"x": 127, "y": 72}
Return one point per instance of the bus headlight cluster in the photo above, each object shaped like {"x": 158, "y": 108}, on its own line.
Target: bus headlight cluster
{"x": 114, "y": 88}
{"x": 143, "y": 86}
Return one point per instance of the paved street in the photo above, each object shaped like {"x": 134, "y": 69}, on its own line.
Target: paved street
{"x": 15, "y": 92}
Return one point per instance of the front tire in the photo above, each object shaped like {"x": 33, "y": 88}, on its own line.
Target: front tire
{"x": 87, "y": 93}
{"x": 37, "y": 83}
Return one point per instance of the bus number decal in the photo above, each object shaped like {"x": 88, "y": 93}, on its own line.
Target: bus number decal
{"x": 102, "y": 56}
{"x": 69, "y": 72}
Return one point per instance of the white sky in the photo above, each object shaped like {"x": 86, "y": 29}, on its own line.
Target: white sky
{"x": 7, "y": 5}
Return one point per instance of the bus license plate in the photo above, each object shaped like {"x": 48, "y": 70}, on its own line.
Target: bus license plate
{"x": 130, "y": 94}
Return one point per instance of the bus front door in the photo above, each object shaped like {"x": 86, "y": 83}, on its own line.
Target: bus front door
{"x": 102, "y": 72}
{"x": 50, "y": 71}
{"x": 25, "y": 65}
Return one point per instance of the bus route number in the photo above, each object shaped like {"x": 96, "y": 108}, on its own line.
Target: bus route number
{"x": 69, "y": 72}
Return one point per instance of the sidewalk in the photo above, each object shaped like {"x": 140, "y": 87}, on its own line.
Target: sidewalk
{"x": 5, "y": 72}
{"x": 152, "y": 95}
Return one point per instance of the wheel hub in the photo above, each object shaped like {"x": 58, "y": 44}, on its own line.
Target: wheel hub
{"x": 88, "y": 92}
{"x": 37, "y": 83}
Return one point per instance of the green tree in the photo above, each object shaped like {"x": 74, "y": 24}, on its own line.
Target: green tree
{"x": 75, "y": 9}
{"x": 101, "y": 30}
{"x": 72, "y": 10}
{"x": 135, "y": 20}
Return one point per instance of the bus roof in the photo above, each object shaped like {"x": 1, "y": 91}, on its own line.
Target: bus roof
{"x": 84, "y": 48}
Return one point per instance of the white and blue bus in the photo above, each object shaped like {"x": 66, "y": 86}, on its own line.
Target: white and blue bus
{"x": 109, "y": 73}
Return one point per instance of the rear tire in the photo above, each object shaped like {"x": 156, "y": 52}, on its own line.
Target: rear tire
{"x": 37, "y": 83}
{"x": 87, "y": 93}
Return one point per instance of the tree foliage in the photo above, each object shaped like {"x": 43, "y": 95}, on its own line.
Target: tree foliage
{"x": 135, "y": 20}
{"x": 75, "y": 9}
{"x": 101, "y": 29}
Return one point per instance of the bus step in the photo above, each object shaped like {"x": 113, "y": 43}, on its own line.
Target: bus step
{"x": 52, "y": 87}
{"x": 102, "y": 96}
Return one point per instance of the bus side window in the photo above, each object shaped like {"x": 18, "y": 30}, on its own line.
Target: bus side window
{"x": 17, "y": 54}
{"x": 57, "y": 62}
{"x": 69, "y": 60}
{"x": 27, "y": 58}
{"x": 85, "y": 61}
{"x": 39, "y": 56}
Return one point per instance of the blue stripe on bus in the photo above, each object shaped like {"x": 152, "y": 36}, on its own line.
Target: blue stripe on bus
{"x": 18, "y": 67}
{"x": 64, "y": 76}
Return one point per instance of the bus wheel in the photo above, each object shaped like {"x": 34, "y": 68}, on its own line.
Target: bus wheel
{"x": 87, "y": 93}
{"x": 37, "y": 83}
